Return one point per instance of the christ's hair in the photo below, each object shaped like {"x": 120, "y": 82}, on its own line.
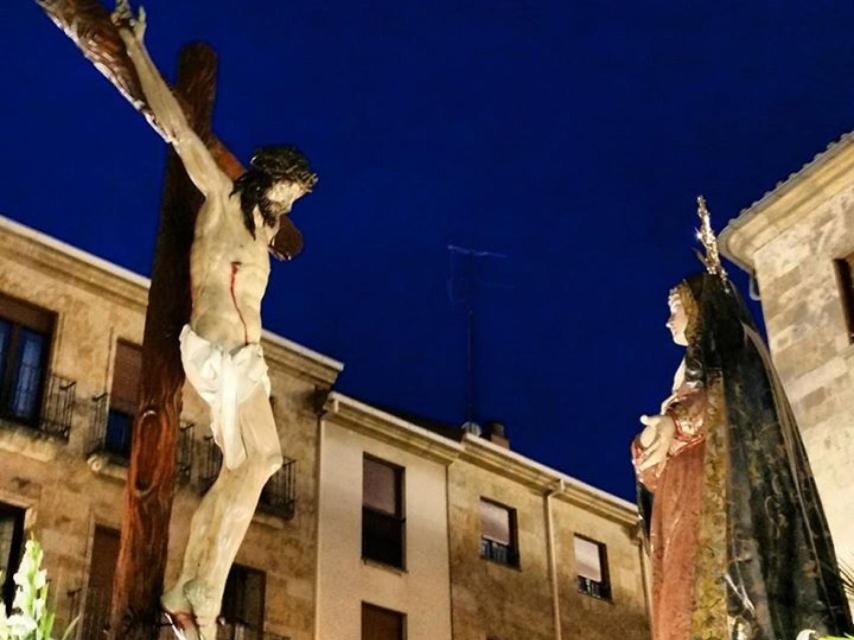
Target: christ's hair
{"x": 268, "y": 166}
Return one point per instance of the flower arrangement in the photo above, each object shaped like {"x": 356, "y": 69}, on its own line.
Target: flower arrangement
{"x": 31, "y": 619}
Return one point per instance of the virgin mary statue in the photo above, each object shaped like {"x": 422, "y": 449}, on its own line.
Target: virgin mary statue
{"x": 738, "y": 541}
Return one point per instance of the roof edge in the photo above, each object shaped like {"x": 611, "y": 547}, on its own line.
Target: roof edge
{"x": 744, "y": 234}
{"x": 485, "y": 454}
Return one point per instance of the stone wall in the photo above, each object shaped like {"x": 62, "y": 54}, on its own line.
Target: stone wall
{"x": 491, "y": 600}
{"x": 790, "y": 239}
{"x": 810, "y": 346}
{"x": 625, "y": 614}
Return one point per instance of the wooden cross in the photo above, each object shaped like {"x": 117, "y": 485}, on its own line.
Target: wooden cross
{"x": 151, "y": 477}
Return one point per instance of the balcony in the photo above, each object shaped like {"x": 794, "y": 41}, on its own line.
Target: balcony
{"x": 46, "y": 408}
{"x": 109, "y": 432}
{"x": 594, "y": 588}
{"x": 278, "y": 497}
{"x": 498, "y": 552}
{"x": 110, "y": 435}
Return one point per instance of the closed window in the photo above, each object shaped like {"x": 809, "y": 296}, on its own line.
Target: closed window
{"x": 124, "y": 396}
{"x": 382, "y": 512}
{"x": 591, "y": 563}
{"x": 845, "y": 278}
{"x": 11, "y": 543}
{"x": 242, "y": 613}
{"x": 25, "y": 335}
{"x": 498, "y": 540}
{"x": 382, "y": 624}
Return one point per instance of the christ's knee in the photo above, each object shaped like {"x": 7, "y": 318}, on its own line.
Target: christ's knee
{"x": 264, "y": 465}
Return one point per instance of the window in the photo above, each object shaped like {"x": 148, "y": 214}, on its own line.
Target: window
{"x": 105, "y": 554}
{"x": 124, "y": 396}
{"x": 382, "y": 512}
{"x": 591, "y": 563}
{"x": 382, "y": 624}
{"x": 845, "y": 277}
{"x": 498, "y": 540}
{"x": 242, "y": 613}
{"x": 25, "y": 333}
{"x": 11, "y": 544}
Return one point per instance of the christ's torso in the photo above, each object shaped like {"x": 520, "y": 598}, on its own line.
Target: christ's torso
{"x": 229, "y": 270}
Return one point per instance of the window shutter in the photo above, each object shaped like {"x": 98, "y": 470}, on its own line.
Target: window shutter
{"x": 379, "y": 487}
{"x": 495, "y": 523}
{"x": 29, "y": 315}
{"x": 381, "y": 624}
{"x": 126, "y": 376}
{"x": 588, "y": 559}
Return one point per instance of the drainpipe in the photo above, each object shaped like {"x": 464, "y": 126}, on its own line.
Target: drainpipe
{"x": 319, "y": 400}
{"x": 645, "y": 572}
{"x": 550, "y": 544}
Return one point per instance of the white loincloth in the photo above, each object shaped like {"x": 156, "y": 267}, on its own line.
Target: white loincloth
{"x": 224, "y": 380}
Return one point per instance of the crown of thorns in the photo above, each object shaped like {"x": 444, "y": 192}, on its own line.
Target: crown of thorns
{"x": 284, "y": 161}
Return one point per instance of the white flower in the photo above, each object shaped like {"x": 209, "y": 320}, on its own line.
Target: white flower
{"x": 21, "y": 625}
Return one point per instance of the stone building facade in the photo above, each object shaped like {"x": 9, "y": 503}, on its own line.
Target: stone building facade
{"x": 377, "y": 527}
{"x": 66, "y": 476}
{"x": 797, "y": 242}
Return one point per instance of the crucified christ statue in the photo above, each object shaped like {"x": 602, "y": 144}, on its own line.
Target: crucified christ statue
{"x": 220, "y": 347}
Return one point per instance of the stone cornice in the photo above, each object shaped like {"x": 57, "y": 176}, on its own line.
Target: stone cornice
{"x": 281, "y": 352}
{"x": 479, "y": 452}
{"x": 826, "y": 175}
{"x": 385, "y": 427}
{"x": 543, "y": 479}
{"x": 59, "y": 260}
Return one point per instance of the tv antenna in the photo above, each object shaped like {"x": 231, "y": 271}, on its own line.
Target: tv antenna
{"x": 466, "y": 277}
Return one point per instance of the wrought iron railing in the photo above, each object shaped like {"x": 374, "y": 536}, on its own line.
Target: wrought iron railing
{"x": 97, "y": 422}
{"x": 279, "y": 494}
{"x": 595, "y": 588}
{"x": 47, "y": 407}
{"x": 58, "y": 406}
{"x": 109, "y": 431}
{"x": 110, "y": 435}
{"x": 186, "y": 451}
{"x": 498, "y": 552}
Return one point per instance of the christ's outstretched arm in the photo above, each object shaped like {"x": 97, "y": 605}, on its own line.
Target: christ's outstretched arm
{"x": 198, "y": 161}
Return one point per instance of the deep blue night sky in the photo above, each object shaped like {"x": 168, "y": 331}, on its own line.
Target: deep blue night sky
{"x": 572, "y": 137}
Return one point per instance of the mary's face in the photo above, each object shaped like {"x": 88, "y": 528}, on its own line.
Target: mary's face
{"x": 678, "y": 321}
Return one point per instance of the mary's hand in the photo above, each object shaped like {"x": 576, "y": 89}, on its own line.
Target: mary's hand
{"x": 655, "y": 440}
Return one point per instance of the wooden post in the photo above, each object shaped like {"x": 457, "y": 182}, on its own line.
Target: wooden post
{"x": 151, "y": 478}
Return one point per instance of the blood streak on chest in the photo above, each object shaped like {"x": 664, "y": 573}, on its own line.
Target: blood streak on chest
{"x": 235, "y": 267}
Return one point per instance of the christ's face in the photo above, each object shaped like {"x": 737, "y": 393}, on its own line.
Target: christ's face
{"x": 282, "y": 195}
{"x": 678, "y": 321}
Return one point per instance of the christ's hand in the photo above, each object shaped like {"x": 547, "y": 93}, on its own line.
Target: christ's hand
{"x": 127, "y": 24}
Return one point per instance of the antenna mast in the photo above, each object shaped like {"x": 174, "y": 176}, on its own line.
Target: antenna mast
{"x": 462, "y": 288}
